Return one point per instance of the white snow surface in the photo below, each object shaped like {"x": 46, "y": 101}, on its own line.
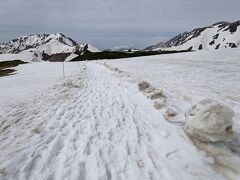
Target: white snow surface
{"x": 55, "y": 47}
{"x": 191, "y": 77}
{"x": 25, "y": 56}
{"x": 96, "y": 124}
{"x": 91, "y": 48}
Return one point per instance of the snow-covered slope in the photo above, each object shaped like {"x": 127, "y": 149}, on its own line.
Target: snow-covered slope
{"x": 23, "y": 56}
{"x": 217, "y": 36}
{"x": 92, "y": 48}
{"x": 156, "y": 46}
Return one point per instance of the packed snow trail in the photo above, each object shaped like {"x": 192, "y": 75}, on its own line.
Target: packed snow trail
{"x": 90, "y": 127}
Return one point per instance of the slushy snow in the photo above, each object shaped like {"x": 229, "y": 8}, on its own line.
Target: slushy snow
{"x": 209, "y": 121}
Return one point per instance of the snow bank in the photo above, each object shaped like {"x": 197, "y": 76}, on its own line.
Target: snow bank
{"x": 209, "y": 121}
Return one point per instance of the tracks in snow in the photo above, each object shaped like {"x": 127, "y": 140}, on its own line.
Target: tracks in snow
{"x": 85, "y": 128}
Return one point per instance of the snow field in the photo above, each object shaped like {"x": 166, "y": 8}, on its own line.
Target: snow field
{"x": 97, "y": 124}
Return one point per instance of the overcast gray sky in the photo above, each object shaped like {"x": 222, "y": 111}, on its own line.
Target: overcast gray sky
{"x": 109, "y": 23}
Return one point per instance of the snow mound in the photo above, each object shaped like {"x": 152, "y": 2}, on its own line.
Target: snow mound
{"x": 209, "y": 121}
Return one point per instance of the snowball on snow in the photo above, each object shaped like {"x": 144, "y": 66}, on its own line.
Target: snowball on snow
{"x": 209, "y": 121}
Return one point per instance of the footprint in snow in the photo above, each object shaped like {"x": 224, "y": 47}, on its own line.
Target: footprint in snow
{"x": 176, "y": 154}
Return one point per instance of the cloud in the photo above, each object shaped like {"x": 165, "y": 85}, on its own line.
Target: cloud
{"x": 112, "y": 22}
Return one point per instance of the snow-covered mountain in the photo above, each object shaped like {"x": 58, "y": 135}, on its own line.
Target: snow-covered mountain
{"x": 35, "y": 46}
{"x": 92, "y": 48}
{"x": 160, "y": 44}
{"x": 217, "y": 36}
{"x": 37, "y": 40}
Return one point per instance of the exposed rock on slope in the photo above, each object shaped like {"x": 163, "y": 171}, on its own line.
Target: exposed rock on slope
{"x": 217, "y": 36}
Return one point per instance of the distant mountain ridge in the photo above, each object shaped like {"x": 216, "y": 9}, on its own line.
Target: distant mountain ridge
{"x": 160, "y": 44}
{"x": 39, "y": 46}
{"x": 217, "y": 36}
{"x": 122, "y": 49}
{"x": 33, "y": 41}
